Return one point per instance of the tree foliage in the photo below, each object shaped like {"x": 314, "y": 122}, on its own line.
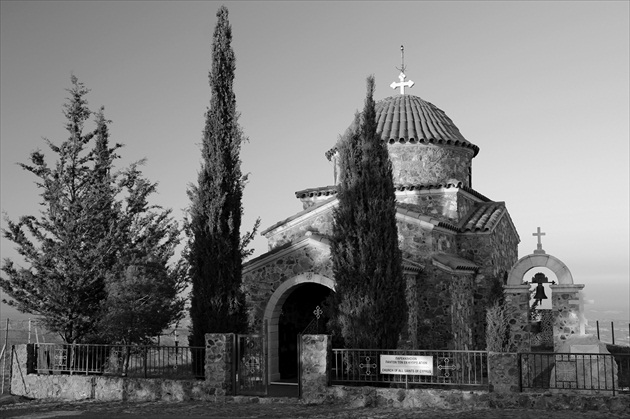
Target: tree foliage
{"x": 367, "y": 262}
{"x": 215, "y": 248}
{"x": 94, "y": 224}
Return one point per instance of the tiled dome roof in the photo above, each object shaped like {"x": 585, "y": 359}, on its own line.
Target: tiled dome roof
{"x": 409, "y": 119}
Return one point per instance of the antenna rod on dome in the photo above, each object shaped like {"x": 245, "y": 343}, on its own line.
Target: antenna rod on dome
{"x": 402, "y": 59}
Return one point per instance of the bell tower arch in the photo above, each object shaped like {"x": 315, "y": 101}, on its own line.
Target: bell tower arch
{"x": 565, "y": 299}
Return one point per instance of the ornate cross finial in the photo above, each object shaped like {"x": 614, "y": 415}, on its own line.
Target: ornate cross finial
{"x": 539, "y": 248}
{"x": 402, "y": 84}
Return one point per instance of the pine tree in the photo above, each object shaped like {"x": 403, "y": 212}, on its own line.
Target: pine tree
{"x": 88, "y": 242}
{"x": 215, "y": 248}
{"x": 143, "y": 289}
{"x": 63, "y": 283}
{"x": 367, "y": 262}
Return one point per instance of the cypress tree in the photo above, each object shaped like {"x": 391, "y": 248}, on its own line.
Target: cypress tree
{"x": 367, "y": 262}
{"x": 214, "y": 220}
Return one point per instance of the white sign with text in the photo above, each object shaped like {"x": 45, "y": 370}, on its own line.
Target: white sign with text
{"x": 406, "y": 365}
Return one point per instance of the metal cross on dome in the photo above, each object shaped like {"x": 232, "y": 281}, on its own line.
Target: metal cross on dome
{"x": 402, "y": 84}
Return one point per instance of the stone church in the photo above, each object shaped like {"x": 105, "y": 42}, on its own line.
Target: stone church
{"x": 455, "y": 241}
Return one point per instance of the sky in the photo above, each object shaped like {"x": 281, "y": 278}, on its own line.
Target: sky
{"x": 541, "y": 87}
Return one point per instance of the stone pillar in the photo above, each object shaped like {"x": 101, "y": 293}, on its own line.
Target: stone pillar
{"x": 517, "y": 307}
{"x": 314, "y": 359}
{"x": 566, "y": 312}
{"x": 503, "y": 372}
{"x": 219, "y": 368}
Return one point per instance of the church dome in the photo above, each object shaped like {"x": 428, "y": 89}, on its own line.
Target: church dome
{"x": 409, "y": 119}
{"x": 425, "y": 147}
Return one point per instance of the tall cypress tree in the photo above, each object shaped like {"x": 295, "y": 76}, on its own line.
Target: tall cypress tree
{"x": 367, "y": 261}
{"x": 214, "y": 250}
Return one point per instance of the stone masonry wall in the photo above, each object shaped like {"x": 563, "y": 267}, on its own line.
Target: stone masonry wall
{"x": 449, "y": 205}
{"x": 566, "y": 311}
{"x": 504, "y": 390}
{"x": 260, "y": 284}
{"x": 462, "y": 290}
{"x": 439, "y": 205}
{"x": 420, "y": 164}
{"x": 495, "y": 253}
{"x": 464, "y": 205}
{"x": 25, "y": 382}
{"x": 315, "y": 358}
{"x": 517, "y": 305}
{"x": 219, "y": 364}
{"x": 434, "y": 307}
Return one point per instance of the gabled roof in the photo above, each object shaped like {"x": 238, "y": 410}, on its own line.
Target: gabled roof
{"x": 278, "y": 252}
{"x": 483, "y": 217}
{"x": 311, "y": 239}
{"x": 331, "y": 190}
{"x": 425, "y": 218}
{"x": 317, "y": 207}
{"x": 454, "y": 264}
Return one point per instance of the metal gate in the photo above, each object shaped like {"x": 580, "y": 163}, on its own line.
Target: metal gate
{"x": 251, "y": 371}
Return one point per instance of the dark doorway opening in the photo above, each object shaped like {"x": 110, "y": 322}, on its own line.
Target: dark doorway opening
{"x": 297, "y": 313}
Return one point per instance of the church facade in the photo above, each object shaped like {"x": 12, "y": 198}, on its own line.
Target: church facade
{"x": 455, "y": 241}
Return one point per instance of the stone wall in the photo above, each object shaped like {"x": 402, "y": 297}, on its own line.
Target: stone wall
{"x": 420, "y": 164}
{"x": 219, "y": 366}
{"x": 495, "y": 253}
{"x": 462, "y": 291}
{"x": 517, "y": 307}
{"x": 434, "y": 308}
{"x": 503, "y": 372}
{"x": 82, "y": 387}
{"x": 315, "y": 359}
{"x": 503, "y": 379}
{"x": 437, "y": 204}
{"x": 566, "y": 310}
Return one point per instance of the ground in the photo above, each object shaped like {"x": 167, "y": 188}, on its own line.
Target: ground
{"x": 16, "y": 407}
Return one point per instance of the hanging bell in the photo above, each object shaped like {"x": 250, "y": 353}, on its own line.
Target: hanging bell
{"x": 540, "y": 293}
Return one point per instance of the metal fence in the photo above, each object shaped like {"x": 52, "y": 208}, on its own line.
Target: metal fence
{"x": 409, "y": 368}
{"x": 176, "y": 362}
{"x": 587, "y": 372}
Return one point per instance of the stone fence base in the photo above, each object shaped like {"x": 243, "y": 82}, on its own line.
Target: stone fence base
{"x": 503, "y": 379}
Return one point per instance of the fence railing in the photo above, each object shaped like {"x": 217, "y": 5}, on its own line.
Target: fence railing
{"x": 178, "y": 362}
{"x": 588, "y": 372}
{"x": 409, "y": 368}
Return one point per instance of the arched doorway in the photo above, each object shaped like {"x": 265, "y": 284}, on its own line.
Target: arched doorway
{"x": 287, "y": 314}
{"x": 298, "y": 311}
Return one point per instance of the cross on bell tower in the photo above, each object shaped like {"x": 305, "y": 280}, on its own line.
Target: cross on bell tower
{"x": 402, "y": 84}
{"x": 539, "y": 249}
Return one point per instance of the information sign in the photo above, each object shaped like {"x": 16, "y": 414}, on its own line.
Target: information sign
{"x": 406, "y": 365}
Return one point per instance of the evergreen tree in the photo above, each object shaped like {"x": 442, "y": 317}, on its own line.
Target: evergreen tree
{"x": 367, "y": 262}
{"x": 142, "y": 288}
{"x": 64, "y": 283}
{"x": 87, "y": 241}
{"x": 215, "y": 248}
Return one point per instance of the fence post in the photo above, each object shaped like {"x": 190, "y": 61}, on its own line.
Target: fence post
{"x": 145, "y": 353}
{"x": 315, "y": 365}
{"x": 597, "y": 323}
{"x": 612, "y": 329}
